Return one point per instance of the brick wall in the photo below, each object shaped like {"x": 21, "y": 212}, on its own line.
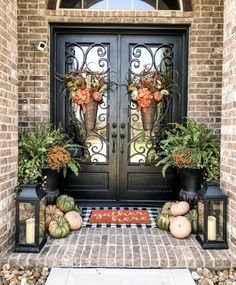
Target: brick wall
{"x": 205, "y": 53}
{"x": 228, "y": 143}
{"x": 8, "y": 119}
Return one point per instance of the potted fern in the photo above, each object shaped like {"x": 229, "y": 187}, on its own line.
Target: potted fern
{"x": 190, "y": 148}
{"x": 43, "y": 154}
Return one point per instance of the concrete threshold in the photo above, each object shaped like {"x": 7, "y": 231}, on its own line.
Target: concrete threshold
{"x": 100, "y": 276}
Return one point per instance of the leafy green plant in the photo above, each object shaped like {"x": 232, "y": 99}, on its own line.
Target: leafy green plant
{"x": 34, "y": 152}
{"x": 213, "y": 168}
{"x": 188, "y": 146}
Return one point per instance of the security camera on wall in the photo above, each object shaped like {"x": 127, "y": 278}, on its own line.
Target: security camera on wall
{"x": 41, "y": 46}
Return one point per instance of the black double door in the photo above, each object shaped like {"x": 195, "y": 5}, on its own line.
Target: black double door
{"x": 120, "y": 163}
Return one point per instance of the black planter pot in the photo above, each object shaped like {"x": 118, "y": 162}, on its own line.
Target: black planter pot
{"x": 172, "y": 180}
{"x": 51, "y": 184}
{"x": 191, "y": 181}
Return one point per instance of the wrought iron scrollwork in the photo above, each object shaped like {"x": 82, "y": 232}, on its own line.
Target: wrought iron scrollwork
{"x": 95, "y": 59}
{"x": 142, "y": 144}
{"x": 77, "y": 57}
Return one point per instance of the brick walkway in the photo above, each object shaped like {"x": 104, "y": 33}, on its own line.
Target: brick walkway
{"x": 116, "y": 247}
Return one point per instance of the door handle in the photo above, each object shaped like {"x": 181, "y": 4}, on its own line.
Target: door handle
{"x": 122, "y": 136}
{"x": 114, "y": 136}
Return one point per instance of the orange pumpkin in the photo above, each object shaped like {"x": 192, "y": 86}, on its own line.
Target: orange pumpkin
{"x": 166, "y": 208}
{"x": 179, "y": 208}
{"x": 52, "y": 212}
{"x": 74, "y": 219}
{"x": 180, "y": 227}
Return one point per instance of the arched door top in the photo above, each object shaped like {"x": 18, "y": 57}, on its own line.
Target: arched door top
{"x": 186, "y": 5}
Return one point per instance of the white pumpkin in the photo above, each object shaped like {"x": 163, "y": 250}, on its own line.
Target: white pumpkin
{"x": 179, "y": 208}
{"x": 180, "y": 227}
{"x": 74, "y": 219}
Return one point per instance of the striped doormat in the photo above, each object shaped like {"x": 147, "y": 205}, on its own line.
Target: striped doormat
{"x": 88, "y": 216}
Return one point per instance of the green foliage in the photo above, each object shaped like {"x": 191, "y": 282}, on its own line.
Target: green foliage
{"x": 213, "y": 167}
{"x": 77, "y": 132}
{"x": 33, "y": 147}
{"x": 189, "y": 146}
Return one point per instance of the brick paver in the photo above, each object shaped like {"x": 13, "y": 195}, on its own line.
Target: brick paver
{"x": 130, "y": 248}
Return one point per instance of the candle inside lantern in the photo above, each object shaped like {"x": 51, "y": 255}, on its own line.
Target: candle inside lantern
{"x": 30, "y": 231}
{"x": 211, "y": 228}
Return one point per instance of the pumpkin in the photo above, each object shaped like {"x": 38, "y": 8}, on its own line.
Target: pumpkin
{"x": 59, "y": 227}
{"x": 163, "y": 221}
{"x": 166, "y": 208}
{"x": 65, "y": 203}
{"x": 192, "y": 216}
{"x": 180, "y": 227}
{"x": 74, "y": 219}
{"x": 52, "y": 212}
{"x": 179, "y": 208}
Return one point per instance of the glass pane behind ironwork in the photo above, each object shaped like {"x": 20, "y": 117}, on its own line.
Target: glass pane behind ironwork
{"x": 122, "y": 4}
{"x": 95, "y": 58}
{"x": 141, "y": 142}
{"x": 26, "y": 216}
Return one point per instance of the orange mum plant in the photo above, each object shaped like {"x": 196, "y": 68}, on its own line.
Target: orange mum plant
{"x": 58, "y": 158}
{"x": 182, "y": 158}
{"x": 44, "y": 147}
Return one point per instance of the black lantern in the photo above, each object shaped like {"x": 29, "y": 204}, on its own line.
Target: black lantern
{"x": 30, "y": 219}
{"x": 212, "y": 204}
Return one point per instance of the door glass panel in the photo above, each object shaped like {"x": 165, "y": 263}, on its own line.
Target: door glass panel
{"x": 93, "y": 58}
{"x": 141, "y": 142}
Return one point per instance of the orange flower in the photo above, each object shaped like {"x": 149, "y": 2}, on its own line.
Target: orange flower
{"x": 182, "y": 158}
{"x": 97, "y": 96}
{"x": 58, "y": 157}
{"x": 157, "y": 96}
{"x": 144, "y": 99}
{"x": 81, "y": 98}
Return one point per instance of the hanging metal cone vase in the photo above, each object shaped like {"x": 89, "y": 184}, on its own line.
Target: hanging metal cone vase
{"x": 90, "y": 115}
{"x": 148, "y": 117}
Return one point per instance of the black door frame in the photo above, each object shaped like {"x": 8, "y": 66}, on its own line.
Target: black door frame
{"x": 130, "y": 29}
{"x": 109, "y": 29}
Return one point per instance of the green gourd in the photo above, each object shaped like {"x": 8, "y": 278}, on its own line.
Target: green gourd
{"x": 65, "y": 203}
{"x": 192, "y": 216}
{"x": 59, "y": 227}
{"x": 163, "y": 221}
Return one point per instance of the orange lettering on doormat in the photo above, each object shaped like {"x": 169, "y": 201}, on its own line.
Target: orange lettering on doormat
{"x": 119, "y": 217}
